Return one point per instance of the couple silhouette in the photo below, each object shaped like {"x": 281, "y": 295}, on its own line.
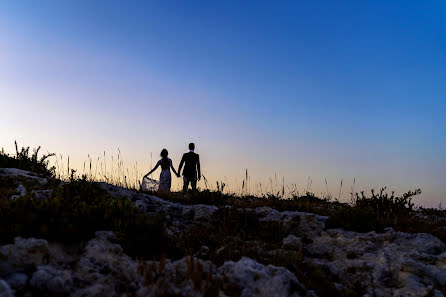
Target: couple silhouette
{"x": 191, "y": 172}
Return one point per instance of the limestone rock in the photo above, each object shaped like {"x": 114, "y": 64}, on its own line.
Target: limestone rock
{"x": 21, "y": 192}
{"x": 41, "y": 194}
{"x": 407, "y": 264}
{"x": 294, "y": 222}
{"x": 24, "y": 252}
{"x": 254, "y": 279}
{"x": 17, "y": 280}
{"x": 5, "y": 290}
{"x": 20, "y": 174}
{"x": 176, "y": 213}
{"x": 292, "y": 242}
{"x": 51, "y": 279}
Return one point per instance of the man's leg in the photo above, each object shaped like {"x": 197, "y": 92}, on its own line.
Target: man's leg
{"x": 193, "y": 184}
{"x": 185, "y": 183}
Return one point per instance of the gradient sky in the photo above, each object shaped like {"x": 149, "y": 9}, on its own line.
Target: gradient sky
{"x": 327, "y": 89}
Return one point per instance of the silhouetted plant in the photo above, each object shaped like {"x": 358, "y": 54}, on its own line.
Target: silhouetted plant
{"x": 376, "y": 212}
{"x": 26, "y": 161}
{"x": 385, "y": 206}
{"x": 75, "y": 211}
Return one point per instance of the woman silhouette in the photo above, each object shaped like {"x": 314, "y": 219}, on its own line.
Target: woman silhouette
{"x": 165, "y": 177}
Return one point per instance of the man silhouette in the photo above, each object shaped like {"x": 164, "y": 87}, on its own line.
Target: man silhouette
{"x": 191, "y": 172}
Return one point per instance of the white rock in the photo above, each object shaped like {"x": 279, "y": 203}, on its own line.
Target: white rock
{"x": 403, "y": 263}
{"x": 133, "y": 195}
{"x": 27, "y": 175}
{"x": 51, "y": 279}
{"x": 204, "y": 251}
{"x": 203, "y": 212}
{"x": 175, "y": 212}
{"x": 23, "y": 253}
{"x": 42, "y": 194}
{"x": 292, "y": 242}
{"x": 255, "y": 279}
{"x": 105, "y": 235}
{"x": 95, "y": 290}
{"x": 103, "y": 262}
{"x": 21, "y": 190}
{"x": 410, "y": 264}
{"x": 17, "y": 280}
{"x": 5, "y": 290}
{"x": 294, "y": 222}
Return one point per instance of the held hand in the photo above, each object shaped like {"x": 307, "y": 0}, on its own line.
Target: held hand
{"x": 199, "y": 177}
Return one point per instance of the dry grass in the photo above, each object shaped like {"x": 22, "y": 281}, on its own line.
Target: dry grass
{"x": 80, "y": 207}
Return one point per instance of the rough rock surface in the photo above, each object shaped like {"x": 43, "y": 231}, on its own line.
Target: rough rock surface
{"x": 104, "y": 270}
{"x": 5, "y": 290}
{"x": 176, "y": 213}
{"x": 25, "y": 181}
{"x": 294, "y": 222}
{"x": 19, "y": 256}
{"x": 393, "y": 262}
{"x": 20, "y": 174}
{"x": 292, "y": 242}
{"x": 380, "y": 264}
{"x": 254, "y": 279}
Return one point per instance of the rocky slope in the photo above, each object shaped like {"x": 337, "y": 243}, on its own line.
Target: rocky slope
{"x": 304, "y": 253}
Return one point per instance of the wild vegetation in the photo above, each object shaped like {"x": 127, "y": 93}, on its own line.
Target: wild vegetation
{"x": 82, "y": 198}
{"x": 78, "y": 206}
{"x": 74, "y": 211}
{"x": 26, "y": 161}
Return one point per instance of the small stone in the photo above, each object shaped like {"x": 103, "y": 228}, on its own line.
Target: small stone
{"x": 292, "y": 242}
{"x": 255, "y": 279}
{"x": 42, "y": 194}
{"x": 48, "y": 278}
{"x": 21, "y": 190}
{"x": 17, "y": 280}
{"x": 204, "y": 250}
{"x": 105, "y": 235}
{"x": 5, "y": 289}
{"x": 220, "y": 250}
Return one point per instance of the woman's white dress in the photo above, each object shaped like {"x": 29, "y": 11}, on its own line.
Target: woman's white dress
{"x": 165, "y": 177}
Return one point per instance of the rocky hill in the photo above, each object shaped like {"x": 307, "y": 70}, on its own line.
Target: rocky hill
{"x": 201, "y": 250}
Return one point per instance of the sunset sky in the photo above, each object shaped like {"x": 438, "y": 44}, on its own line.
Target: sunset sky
{"x": 333, "y": 90}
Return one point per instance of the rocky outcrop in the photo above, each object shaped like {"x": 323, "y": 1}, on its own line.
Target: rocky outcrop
{"x": 395, "y": 263}
{"x": 176, "y": 214}
{"x": 23, "y": 255}
{"x": 369, "y": 264}
{"x": 292, "y": 242}
{"x": 5, "y": 289}
{"x": 383, "y": 264}
{"x": 294, "y": 222}
{"x": 250, "y": 279}
{"x": 25, "y": 182}
{"x": 20, "y": 175}
{"x": 104, "y": 270}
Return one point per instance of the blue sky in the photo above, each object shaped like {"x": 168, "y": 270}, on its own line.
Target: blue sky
{"x": 328, "y": 89}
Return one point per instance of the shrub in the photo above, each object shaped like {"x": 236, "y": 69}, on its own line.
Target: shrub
{"x": 375, "y": 212}
{"x": 75, "y": 211}
{"x": 26, "y": 161}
